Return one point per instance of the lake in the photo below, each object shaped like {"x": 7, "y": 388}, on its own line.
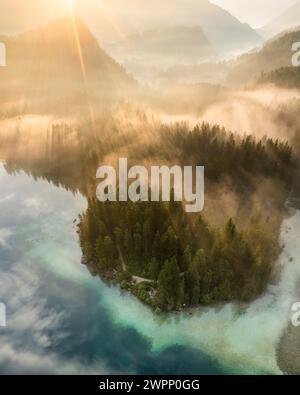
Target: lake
{"x": 60, "y": 319}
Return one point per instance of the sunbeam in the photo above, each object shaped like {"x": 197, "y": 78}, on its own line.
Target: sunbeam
{"x": 77, "y": 39}
{"x": 81, "y": 60}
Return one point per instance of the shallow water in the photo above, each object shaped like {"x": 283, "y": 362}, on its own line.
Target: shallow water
{"x": 62, "y": 320}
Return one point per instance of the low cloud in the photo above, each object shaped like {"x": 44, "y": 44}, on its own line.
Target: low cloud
{"x": 34, "y": 330}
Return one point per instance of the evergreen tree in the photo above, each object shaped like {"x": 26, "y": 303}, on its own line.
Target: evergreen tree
{"x": 170, "y": 288}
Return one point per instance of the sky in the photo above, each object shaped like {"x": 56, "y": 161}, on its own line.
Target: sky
{"x": 255, "y": 12}
{"x": 20, "y": 15}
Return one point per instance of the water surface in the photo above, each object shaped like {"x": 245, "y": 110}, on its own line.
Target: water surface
{"x": 62, "y": 320}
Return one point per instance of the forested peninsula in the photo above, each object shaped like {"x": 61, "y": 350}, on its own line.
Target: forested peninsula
{"x": 171, "y": 259}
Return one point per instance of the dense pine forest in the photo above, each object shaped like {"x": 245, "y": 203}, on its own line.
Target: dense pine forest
{"x": 187, "y": 261}
{"x": 285, "y": 77}
{"x": 223, "y": 152}
{"x": 171, "y": 259}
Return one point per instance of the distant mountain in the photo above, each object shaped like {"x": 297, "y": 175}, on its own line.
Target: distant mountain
{"x": 183, "y": 44}
{"x": 275, "y": 54}
{"x": 207, "y": 72}
{"x": 289, "y": 19}
{"x": 257, "y": 65}
{"x": 60, "y": 61}
{"x": 111, "y": 20}
{"x": 225, "y": 32}
{"x": 143, "y": 54}
{"x": 162, "y": 34}
{"x": 142, "y": 33}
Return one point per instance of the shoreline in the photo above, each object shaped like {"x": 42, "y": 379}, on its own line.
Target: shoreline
{"x": 287, "y": 351}
{"x": 286, "y": 342}
{"x": 110, "y": 278}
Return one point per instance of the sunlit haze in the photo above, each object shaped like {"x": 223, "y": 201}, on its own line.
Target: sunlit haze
{"x": 255, "y": 12}
{"x": 149, "y": 190}
{"x": 18, "y": 15}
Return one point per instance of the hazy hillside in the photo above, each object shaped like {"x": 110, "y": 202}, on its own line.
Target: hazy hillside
{"x": 147, "y": 37}
{"x": 249, "y": 67}
{"x": 174, "y": 36}
{"x": 207, "y": 72}
{"x": 55, "y": 62}
{"x": 223, "y": 30}
{"x": 289, "y": 19}
{"x": 275, "y": 54}
{"x": 112, "y": 20}
{"x": 285, "y": 77}
{"x": 143, "y": 54}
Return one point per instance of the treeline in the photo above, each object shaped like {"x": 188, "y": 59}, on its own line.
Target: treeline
{"x": 226, "y": 153}
{"x": 189, "y": 262}
{"x": 72, "y": 153}
{"x": 285, "y": 77}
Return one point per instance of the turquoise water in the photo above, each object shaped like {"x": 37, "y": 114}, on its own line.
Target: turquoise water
{"x": 62, "y": 320}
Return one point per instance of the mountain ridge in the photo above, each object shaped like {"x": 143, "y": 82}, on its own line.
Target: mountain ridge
{"x": 275, "y": 54}
{"x": 114, "y": 20}
{"x": 287, "y": 20}
{"x": 158, "y": 49}
{"x": 55, "y": 61}
{"x": 217, "y": 23}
